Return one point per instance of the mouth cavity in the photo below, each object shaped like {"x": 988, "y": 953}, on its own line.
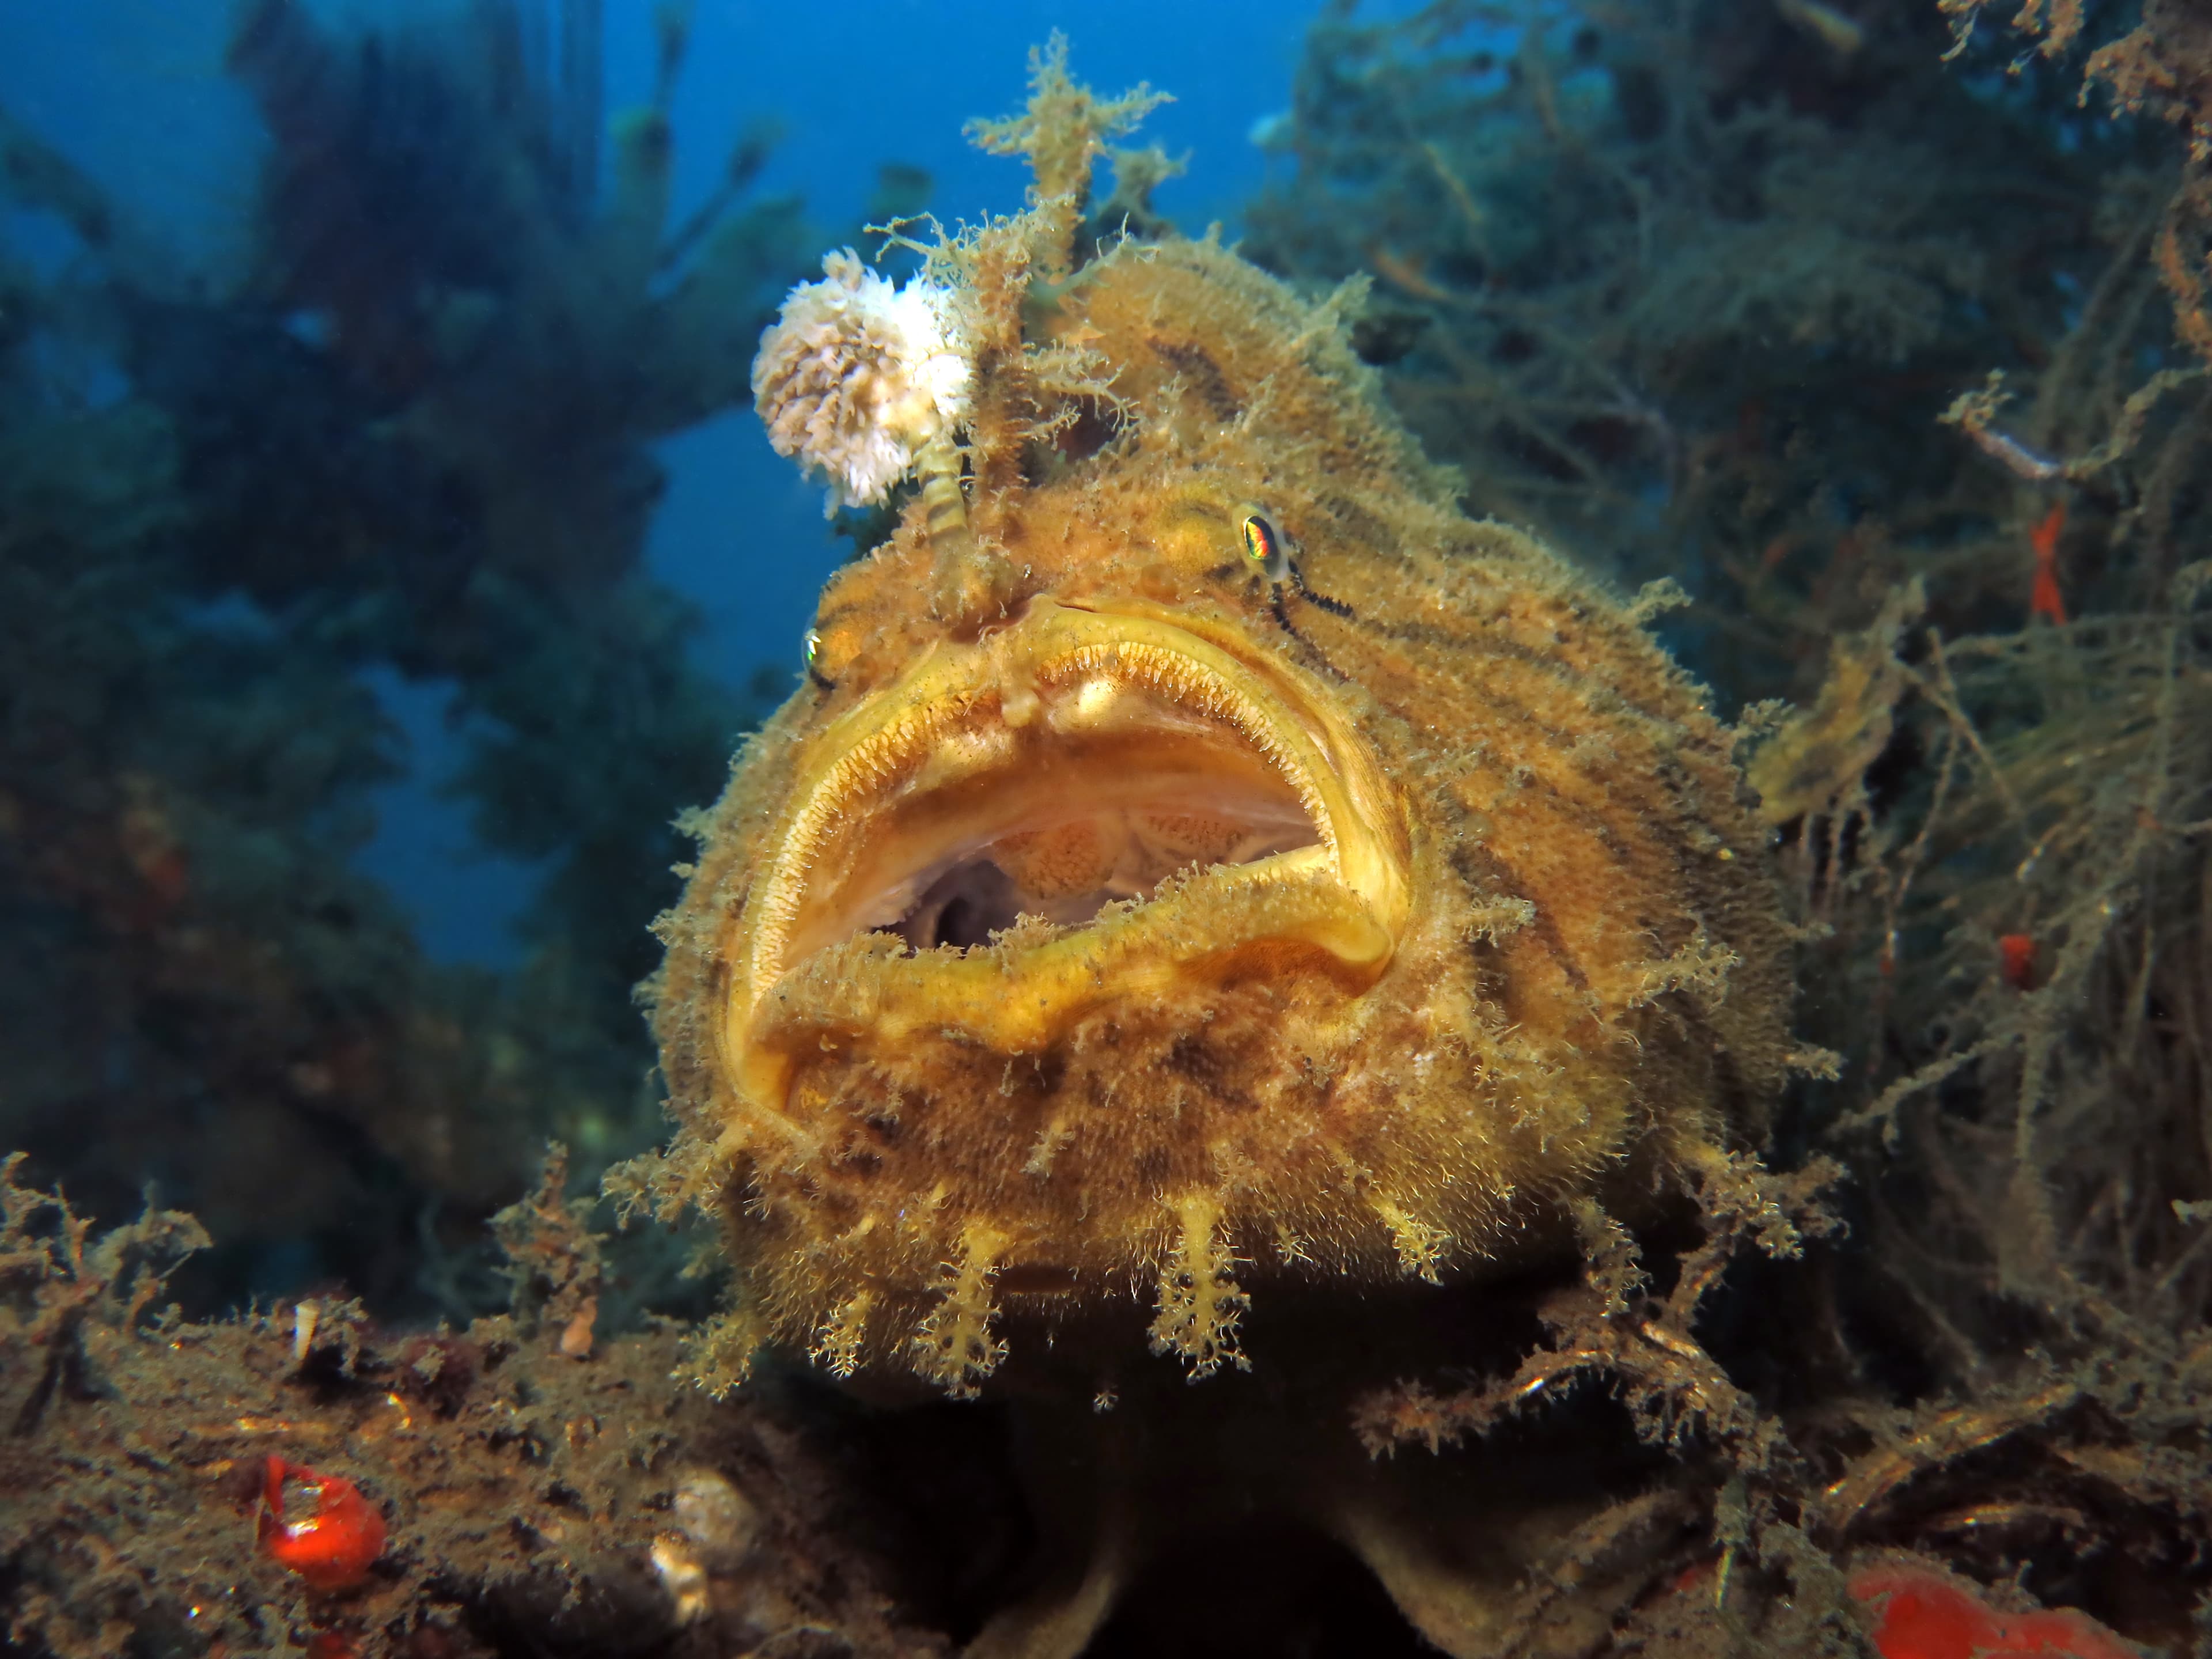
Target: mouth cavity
{"x": 1078, "y": 774}
{"x": 1103, "y": 792}
{"x": 1066, "y": 870}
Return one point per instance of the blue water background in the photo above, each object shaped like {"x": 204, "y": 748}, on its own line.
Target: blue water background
{"x": 134, "y": 91}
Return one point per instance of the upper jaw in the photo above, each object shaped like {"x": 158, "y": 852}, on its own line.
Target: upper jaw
{"x": 1174, "y": 801}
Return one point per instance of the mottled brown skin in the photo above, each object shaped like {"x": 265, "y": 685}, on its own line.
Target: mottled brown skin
{"x": 1582, "y": 988}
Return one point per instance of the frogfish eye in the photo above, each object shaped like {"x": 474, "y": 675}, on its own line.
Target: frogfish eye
{"x": 1264, "y": 550}
{"x": 812, "y": 646}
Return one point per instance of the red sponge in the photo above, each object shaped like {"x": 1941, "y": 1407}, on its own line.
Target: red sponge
{"x": 1926, "y": 1615}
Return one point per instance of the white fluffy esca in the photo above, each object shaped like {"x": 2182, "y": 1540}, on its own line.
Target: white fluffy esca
{"x": 855, "y": 376}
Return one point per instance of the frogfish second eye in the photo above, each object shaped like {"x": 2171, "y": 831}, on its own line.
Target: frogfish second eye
{"x": 1263, "y": 548}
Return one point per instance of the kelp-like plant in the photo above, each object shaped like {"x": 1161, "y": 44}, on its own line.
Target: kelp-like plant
{"x": 416, "y": 437}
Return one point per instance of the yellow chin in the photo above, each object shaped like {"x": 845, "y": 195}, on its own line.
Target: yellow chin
{"x": 1088, "y": 806}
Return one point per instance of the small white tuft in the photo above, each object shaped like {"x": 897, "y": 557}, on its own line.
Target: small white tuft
{"x": 855, "y": 376}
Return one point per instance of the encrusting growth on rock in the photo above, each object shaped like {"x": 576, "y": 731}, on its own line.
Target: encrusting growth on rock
{"x": 180, "y": 1487}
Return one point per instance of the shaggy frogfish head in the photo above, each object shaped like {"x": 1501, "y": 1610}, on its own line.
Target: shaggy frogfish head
{"x": 1201, "y": 866}
{"x": 1041, "y": 925}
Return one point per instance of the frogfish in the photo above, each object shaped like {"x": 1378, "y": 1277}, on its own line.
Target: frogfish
{"x": 1210, "y": 901}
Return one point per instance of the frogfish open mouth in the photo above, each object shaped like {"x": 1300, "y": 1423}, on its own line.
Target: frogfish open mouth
{"x": 1202, "y": 866}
